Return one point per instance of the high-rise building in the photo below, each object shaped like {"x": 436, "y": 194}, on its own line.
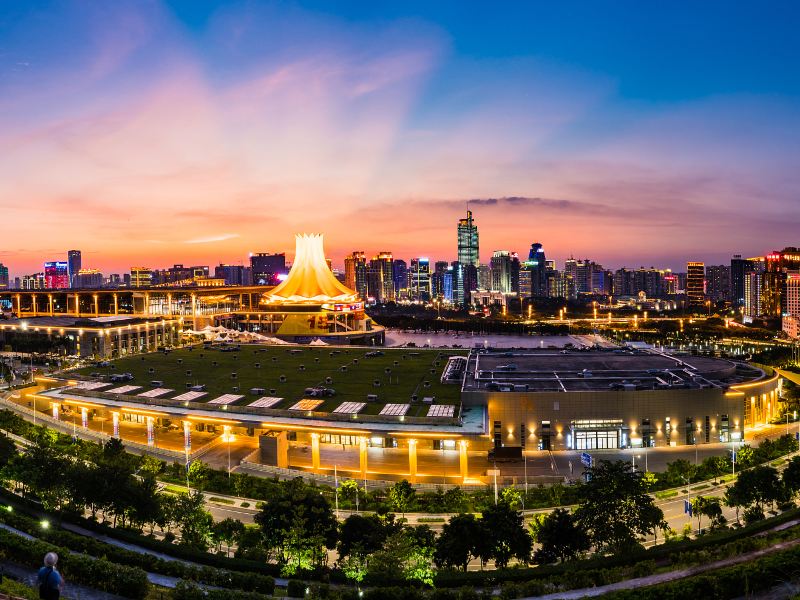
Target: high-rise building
{"x": 515, "y": 269}
{"x": 141, "y": 277}
{"x": 484, "y": 277}
{"x": 400, "y": 278}
{"x": 501, "y": 271}
{"x": 695, "y": 283}
{"x": 534, "y": 270}
{"x": 268, "y": 269}
{"x": 420, "y": 279}
{"x": 791, "y": 316}
{"x": 33, "y": 282}
{"x": 355, "y": 272}
{"x": 56, "y": 275}
{"x": 718, "y": 282}
{"x": 3, "y": 276}
{"x": 468, "y": 257}
{"x": 437, "y": 278}
{"x": 73, "y": 265}
{"x": 88, "y": 279}
{"x": 231, "y": 274}
{"x": 380, "y": 282}
{"x": 740, "y": 267}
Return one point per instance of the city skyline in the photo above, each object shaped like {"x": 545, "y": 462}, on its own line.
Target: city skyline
{"x": 197, "y": 133}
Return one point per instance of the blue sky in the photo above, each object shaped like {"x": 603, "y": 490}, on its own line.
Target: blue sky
{"x": 632, "y": 133}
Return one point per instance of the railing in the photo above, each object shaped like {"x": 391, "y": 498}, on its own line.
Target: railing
{"x": 97, "y": 436}
{"x": 330, "y": 480}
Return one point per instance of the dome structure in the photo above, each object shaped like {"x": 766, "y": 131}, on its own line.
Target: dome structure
{"x": 310, "y": 279}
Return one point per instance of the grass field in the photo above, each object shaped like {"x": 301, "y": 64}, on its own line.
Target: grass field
{"x": 302, "y": 367}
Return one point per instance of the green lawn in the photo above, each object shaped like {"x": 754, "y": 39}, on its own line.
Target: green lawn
{"x": 262, "y": 367}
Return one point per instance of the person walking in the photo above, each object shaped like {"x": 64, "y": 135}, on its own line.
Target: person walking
{"x": 50, "y": 581}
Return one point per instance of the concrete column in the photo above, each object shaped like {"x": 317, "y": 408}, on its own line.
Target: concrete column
{"x": 50, "y": 301}
{"x": 84, "y": 417}
{"x": 115, "y": 423}
{"x": 151, "y": 439}
{"x": 463, "y": 459}
{"x": 283, "y": 450}
{"x": 19, "y": 306}
{"x": 146, "y": 303}
{"x": 412, "y": 460}
{"x": 96, "y": 306}
{"x": 116, "y": 305}
{"x": 315, "y": 451}
{"x": 35, "y": 310}
{"x": 362, "y": 456}
{"x": 55, "y": 407}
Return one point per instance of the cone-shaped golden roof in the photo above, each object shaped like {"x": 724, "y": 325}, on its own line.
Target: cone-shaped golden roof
{"x": 310, "y": 279}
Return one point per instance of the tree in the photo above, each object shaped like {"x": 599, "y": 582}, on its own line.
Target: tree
{"x": 791, "y": 476}
{"x": 505, "y": 533}
{"x": 349, "y": 490}
{"x": 407, "y": 554}
{"x": 226, "y": 532}
{"x": 401, "y": 495}
{"x": 757, "y": 486}
{"x": 7, "y": 450}
{"x": 297, "y": 523}
{"x": 512, "y": 497}
{"x": 561, "y": 537}
{"x": 193, "y": 520}
{"x": 459, "y": 541}
{"x": 615, "y": 507}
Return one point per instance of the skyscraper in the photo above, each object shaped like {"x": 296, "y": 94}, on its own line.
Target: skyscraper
{"x": 718, "y": 282}
{"x": 268, "y": 269}
{"x": 74, "y": 266}
{"x": 695, "y": 283}
{"x": 141, "y": 277}
{"x": 232, "y": 274}
{"x": 468, "y": 257}
{"x": 437, "y": 278}
{"x": 420, "y": 279}
{"x": 739, "y": 269}
{"x": 501, "y": 271}
{"x": 380, "y": 282}
{"x": 56, "y": 275}
{"x": 3, "y": 276}
{"x": 400, "y": 278}
{"x": 536, "y": 267}
{"x": 355, "y": 272}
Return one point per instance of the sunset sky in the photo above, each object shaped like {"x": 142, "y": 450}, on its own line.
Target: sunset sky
{"x": 195, "y": 132}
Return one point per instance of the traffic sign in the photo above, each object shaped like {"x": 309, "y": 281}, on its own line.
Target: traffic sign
{"x": 586, "y": 459}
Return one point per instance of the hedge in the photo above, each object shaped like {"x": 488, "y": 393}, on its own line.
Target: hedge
{"x": 79, "y": 543}
{"x": 97, "y": 573}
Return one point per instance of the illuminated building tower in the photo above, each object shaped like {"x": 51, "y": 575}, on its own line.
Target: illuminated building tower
{"x": 536, "y": 268}
{"x": 231, "y": 274}
{"x": 484, "y": 277}
{"x": 420, "y": 279}
{"x": 33, "y": 282}
{"x": 515, "y": 269}
{"x": 73, "y": 265}
{"x": 3, "y": 276}
{"x": 791, "y": 315}
{"x": 380, "y": 282}
{"x": 355, "y": 273}
{"x": 437, "y": 278}
{"x": 740, "y": 267}
{"x": 671, "y": 285}
{"x": 141, "y": 277}
{"x": 268, "y": 269}
{"x": 718, "y": 282}
{"x": 400, "y": 278}
{"x": 695, "y": 283}
{"x": 56, "y": 275}
{"x": 468, "y": 257}
{"x": 501, "y": 271}
{"x": 88, "y": 279}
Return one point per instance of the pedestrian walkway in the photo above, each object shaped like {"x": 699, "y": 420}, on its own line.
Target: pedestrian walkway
{"x": 72, "y": 591}
{"x": 661, "y": 578}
